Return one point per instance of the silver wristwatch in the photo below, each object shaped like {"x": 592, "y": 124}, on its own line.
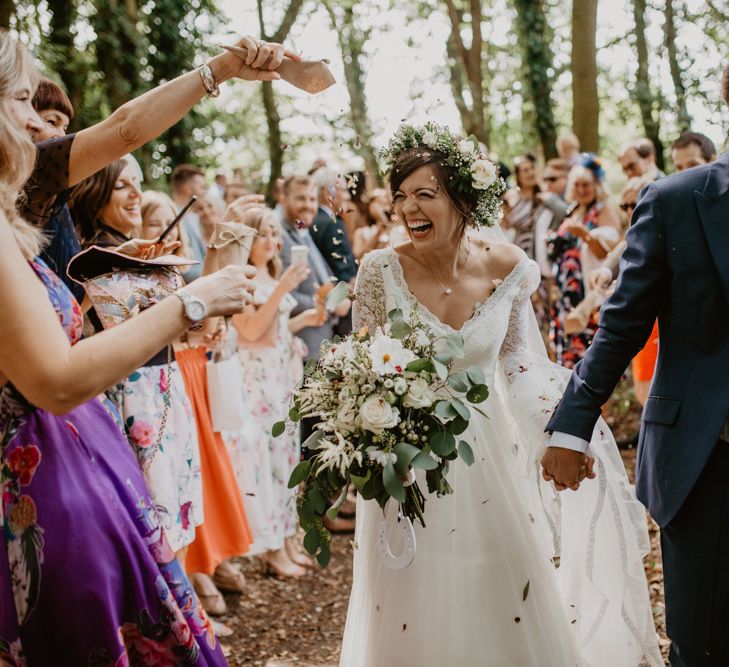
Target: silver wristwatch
{"x": 195, "y": 310}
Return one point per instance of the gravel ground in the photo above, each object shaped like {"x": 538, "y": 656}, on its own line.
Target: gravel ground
{"x": 281, "y": 623}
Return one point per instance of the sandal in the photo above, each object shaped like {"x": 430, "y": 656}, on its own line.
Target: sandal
{"x": 221, "y": 630}
{"x": 212, "y": 603}
{"x": 229, "y": 581}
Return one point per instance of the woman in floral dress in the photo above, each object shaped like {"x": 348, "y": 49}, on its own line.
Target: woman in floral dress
{"x": 87, "y": 576}
{"x": 579, "y": 245}
{"x": 271, "y": 366}
{"x": 109, "y": 208}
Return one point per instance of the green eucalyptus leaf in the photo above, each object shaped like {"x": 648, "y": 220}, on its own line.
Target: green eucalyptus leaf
{"x": 324, "y": 556}
{"x": 336, "y": 295}
{"x": 442, "y": 443}
{"x": 278, "y": 429}
{"x": 457, "y": 425}
{"x": 310, "y": 367}
{"x": 400, "y": 329}
{"x": 441, "y": 369}
{"x": 393, "y": 483}
{"x": 424, "y": 461}
{"x": 476, "y": 375}
{"x": 299, "y": 474}
{"x": 445, "y": 359}
{"x": 445, "y": 411}
{"x": 459, "y": 382}
{"x": 294, "y": 414}
{"x": 477, "y": 394}
{"x": 420, "y": 365}
{"x": 317, "y": 500}
{"x": 461, "y": 409}
{"x": 312, "y": 540}
{"x": 466, "y": 453}
{"x": 359, "y": 482}
{"x": 405, "y": 453}
{"x": 451, "y": 344}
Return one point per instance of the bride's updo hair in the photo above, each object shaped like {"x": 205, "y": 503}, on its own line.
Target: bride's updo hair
{"x": 412, "y": 159}
{"x": 17, "y": 152}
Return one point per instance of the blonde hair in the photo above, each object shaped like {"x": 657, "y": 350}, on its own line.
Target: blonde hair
{"x": 580, "y": 173}
{"x": 254, "y": 218}
{"x": 17, "y": 152}
{"x": 635, "y": 185}
{"x": 154, "y": 199}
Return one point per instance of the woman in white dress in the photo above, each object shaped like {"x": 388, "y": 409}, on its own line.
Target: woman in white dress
{"x": 508, "y": 572}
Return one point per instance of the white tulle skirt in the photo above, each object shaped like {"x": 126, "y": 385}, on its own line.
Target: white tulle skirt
{"x": 508, "y": 572}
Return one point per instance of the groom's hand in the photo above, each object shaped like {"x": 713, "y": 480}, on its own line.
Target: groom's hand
{"x": 566, "y": 467}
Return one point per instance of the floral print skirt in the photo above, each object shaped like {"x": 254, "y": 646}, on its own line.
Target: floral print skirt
{"x": 173, "y": 478}
{"x": 87, "y": 576}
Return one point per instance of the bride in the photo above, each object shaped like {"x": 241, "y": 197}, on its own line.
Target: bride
{"x": 508, "y": 572}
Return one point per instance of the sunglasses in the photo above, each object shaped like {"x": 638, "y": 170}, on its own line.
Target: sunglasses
{"x": 626, "y": 207}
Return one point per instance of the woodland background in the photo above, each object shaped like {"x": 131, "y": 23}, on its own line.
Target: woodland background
{"x": 515, "y": 73}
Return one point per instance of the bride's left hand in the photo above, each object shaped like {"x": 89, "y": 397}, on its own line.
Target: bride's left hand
{"x": 567, "y": 468}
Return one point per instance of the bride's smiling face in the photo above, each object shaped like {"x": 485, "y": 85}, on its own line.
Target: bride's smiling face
{"x": 423, "y": 206}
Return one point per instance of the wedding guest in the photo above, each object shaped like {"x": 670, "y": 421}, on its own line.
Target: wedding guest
{"x": 580, "y": 244}
{"x": 327, "y": 229}
{"x": 356, "y": 205}
{"x": 234, "y": 190}
{"x": 379, "y": 223}
{"x": 300, "y": 208}
{"x": 271, "y": 365}
{"x": 73, "y": 491}
{"x": 219, "y": 183}
{"x": 692, "y": 149}
{"x": 187, "y": 180}
{"x": 638, "y": 158}
{"x": 522, "y": 206}
{"x": 209, "y": 211}
{"x": 568, "y": 148}
{"x": 55, "y": 110}
{"x": 553, "y": 211}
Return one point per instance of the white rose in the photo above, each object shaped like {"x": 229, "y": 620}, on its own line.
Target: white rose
{"x": 430, "y": 138}
{"x": 465, "y": 147}
{"x": 483, "y": 174}
{"x": 377, "y": 414}
{"x": 401, "y": 386}
{"x": 419, "y": 394}
{"x": 347, "y": 415}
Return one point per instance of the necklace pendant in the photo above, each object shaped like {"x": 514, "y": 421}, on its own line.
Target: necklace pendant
{"x": 448, "y": 291}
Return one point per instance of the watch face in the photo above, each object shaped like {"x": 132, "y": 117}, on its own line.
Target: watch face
{"x": 195, "y": 311}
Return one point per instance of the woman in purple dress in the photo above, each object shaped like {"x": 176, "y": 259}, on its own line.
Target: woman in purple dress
{"x": 86, "y": 574}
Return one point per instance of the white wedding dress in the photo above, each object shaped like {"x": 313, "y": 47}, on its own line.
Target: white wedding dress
{"x": 507, "y": 572}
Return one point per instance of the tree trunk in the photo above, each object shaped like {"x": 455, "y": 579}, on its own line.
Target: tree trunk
{"x": 466, "y": 67}
{"x": 536, "y": 63}
{"x": 643, "y": 92}
{"x": 7, "y": 9}
{"x": 351, "y": 44}
{"x": 585, "y": 106}
{"x": 273, "y": 119}
{"x": 669, "y": 30}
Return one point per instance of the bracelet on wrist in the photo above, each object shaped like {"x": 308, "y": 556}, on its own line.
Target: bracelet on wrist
{"x": 208, "y": 81}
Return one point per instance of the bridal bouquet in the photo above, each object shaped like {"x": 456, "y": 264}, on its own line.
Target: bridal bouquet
{"x": 386, "y": 402}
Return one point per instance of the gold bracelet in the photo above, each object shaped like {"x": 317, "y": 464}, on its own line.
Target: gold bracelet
{"x": 208, "y": 80}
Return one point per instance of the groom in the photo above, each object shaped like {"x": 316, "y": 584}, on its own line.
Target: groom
{"x": 676, "y": 267}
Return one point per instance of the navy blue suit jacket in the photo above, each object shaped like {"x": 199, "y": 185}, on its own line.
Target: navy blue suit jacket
{"x": 331, "y": 239}
{"x": 676, "y": 267}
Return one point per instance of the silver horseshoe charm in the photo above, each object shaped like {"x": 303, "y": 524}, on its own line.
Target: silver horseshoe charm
{"x": 390, "y": 560}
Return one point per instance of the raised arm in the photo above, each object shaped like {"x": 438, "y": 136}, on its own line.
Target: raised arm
{"x": 36, "y": 356}
{"x": 142, "y": 119}
{"x": 369, "y": 308}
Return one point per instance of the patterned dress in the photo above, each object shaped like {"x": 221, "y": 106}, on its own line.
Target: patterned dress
{"x": 271, "y": 372}
{"x": 565, "y": 253}
{"x": 87, "y": 576}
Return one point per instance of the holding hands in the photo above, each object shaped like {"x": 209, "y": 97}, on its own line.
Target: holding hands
{"x": 567, "y": 468}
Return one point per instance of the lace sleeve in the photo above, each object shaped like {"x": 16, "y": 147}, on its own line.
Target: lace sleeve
{"x": 369, "y": 308}
{"x": 515, "y": 345}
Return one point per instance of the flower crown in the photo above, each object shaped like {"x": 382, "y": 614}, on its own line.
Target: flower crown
{"x": 471, "y": 170}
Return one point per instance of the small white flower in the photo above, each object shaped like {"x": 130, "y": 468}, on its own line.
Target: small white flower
{"x": 400, "y": 386}
{"x": 430, "y": 138}
{"x": 380, "y": 457}
{"x": 388, "y": 383}
{"x": 465, "y": 148}
{"x": 347, "y": 415}
{"x": 483, "y": 174}
{"x": 389, "y": 356}
{"x": 377, "y": 414}
{"x": 419, "y": 394}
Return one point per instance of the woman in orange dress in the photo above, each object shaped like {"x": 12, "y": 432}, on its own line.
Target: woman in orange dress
{"x": 224, "y": 532}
